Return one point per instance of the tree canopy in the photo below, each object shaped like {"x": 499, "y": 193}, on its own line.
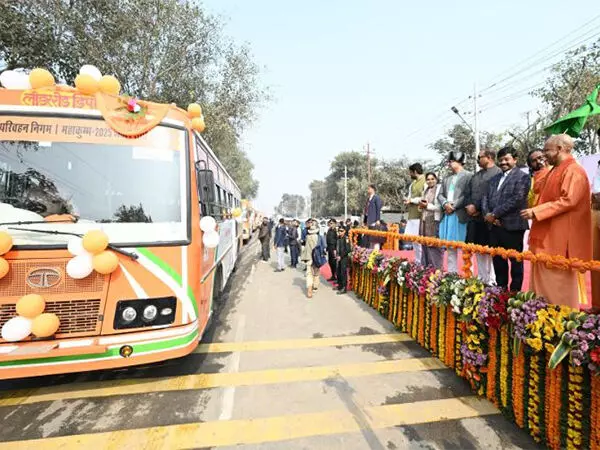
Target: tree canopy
{"x": 162, "y": 50}
{"x": 291, "y": 205}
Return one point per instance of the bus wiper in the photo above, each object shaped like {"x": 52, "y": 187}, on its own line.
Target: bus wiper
{"x": 39, "y": 222}
{"x": 131, "y": 255}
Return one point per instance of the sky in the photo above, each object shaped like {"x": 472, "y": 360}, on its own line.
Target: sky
{"x": 344, "y": 73}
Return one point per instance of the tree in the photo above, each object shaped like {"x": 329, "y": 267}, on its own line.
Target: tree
{"x": 132, "y": 213}
{"x": 291, "y": 205}
{"x": 163, "y": 50}
{"x": 571, "y": 80}
{"x": 390, "y": 177}
{"x": 460, "y": 139}
{"x": 318, "y": 194}
{"x": 392, "y": 180}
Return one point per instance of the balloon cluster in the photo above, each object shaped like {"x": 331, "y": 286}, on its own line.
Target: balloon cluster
{"x": 31, "y": 319}
{"x": 90, "y": 80}
{"x": 90, "y": 254}
{"x": 195, "y": 113}
{"x": 211, "y": 237}
{"x": 6, "y": 244}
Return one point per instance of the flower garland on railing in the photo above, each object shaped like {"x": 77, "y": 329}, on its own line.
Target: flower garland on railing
{"x": 550, "y": 261}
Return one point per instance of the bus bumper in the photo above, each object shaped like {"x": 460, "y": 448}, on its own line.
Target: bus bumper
{"x": 103, "y": 352}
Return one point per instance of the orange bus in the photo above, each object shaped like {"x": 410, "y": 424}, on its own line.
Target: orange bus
{"x": 247, "y": 219}
{"x": 69, "y": 167}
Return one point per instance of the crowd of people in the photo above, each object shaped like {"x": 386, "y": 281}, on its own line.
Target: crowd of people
{"x": 495, "y": 207}
{"x": 308, "y": 245}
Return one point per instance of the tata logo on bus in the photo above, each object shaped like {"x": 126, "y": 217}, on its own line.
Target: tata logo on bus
{"x": 43, "y": 278}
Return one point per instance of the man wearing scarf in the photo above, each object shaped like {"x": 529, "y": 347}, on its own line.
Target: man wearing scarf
{"x": 562, "y": 224}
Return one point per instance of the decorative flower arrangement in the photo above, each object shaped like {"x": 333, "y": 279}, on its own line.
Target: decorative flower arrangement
{"x": 522, "y": 310}
{"x": 403, "y": 269}
{"x": 492, "y": 310}
{"x": 132, "y": 109}
{"x": 471, "y": 291}
{"x": 546, "y": 330}
{"x": 448, "y": 287}
{"x": 433, "y": 287}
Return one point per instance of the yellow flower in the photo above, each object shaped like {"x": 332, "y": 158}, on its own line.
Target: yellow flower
{"x": 549, "y": 348}
{"x": 536, "y": 344}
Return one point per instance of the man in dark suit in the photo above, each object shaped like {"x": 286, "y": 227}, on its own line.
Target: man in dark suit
{"x": 372, "y": 216}
{"x": 505, "y": 198}
{"x": 331, "y": 238}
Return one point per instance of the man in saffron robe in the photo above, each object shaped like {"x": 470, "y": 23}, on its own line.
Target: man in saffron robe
{"x": 538, "y": 170}
{"x": 562, "y": 224}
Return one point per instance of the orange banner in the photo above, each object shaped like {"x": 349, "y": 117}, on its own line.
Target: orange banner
{"x": 90, "y": 131}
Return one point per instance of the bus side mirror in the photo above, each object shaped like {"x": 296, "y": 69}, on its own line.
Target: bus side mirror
{"x": 206, "y": 185}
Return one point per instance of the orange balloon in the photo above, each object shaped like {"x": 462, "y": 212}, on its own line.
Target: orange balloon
{"x": 86, "y": 84}
{"x": 39, "y": 78}
{"x": 194, "y": 110}
{"x": 4, "y": 267}
{"x": 31, "y": 305}
{"x": 6, "y": 242}
{"x": 95, "y": 241}
{"x": 109, "y": 85}
{"x": 105, "y": 263}
{"x": 45, "y": 325}
{"x": 198, "y": 124}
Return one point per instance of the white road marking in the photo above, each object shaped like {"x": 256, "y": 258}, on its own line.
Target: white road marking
{"x": 234, "y": 367}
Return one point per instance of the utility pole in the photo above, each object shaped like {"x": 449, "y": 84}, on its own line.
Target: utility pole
{"x": 345, "y": 192}
{"x": 476, "y": 116}
{"x": 369, "y": 153}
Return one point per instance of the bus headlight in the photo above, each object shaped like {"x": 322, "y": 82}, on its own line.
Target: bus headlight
{"x": 129, "y": 314}
{"x": 150, "y": 312}
{"x": 145, "y": 312}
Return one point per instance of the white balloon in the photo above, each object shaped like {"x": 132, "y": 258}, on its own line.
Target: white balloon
{"x": 211, "y": 239}
{"x": 93, "y": 71}
{"x": 22, "y": 81}
{"x": 208, "y": 224}
{"x": 75, "y": 246}
{"x": 80, "y": 266}
{"x": 16, "y": 329}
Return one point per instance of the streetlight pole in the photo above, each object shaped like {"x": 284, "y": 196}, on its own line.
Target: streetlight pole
{"x": 476, "y": 121}
{"x": 345, "y": 192}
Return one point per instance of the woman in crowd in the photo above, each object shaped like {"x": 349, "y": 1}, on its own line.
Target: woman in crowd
{"x": 430, "y": 221}
{"x": 453, "y": 226}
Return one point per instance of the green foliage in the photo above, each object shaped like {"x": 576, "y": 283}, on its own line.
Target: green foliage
{"x": 168, "y": 51}
{"x": 391, "y": 178}
{"x": 460, "y": 139}
{"x": 291, "y": 205}
{"x": 571, "y": 80}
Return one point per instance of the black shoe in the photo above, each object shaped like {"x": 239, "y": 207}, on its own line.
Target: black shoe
{"x": 342, "y": 292}
{"x": 331, "y": 279}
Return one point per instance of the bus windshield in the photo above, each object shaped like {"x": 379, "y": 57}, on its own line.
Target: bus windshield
{"x": 133, "y": 189}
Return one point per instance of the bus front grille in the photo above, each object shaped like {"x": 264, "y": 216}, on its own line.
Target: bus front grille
{"x": 76, "y": 316}
{"x": 47, "y": 277}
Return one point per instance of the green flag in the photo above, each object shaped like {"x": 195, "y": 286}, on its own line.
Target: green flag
{"x": 573, "y": 123}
